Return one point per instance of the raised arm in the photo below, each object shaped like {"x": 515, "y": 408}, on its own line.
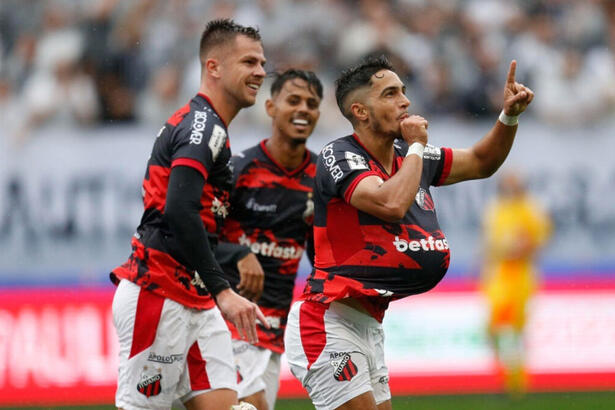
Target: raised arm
{"x": 485, "y": 157}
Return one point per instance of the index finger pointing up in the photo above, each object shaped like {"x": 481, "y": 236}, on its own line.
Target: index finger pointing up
{"x": 511, "y": 72}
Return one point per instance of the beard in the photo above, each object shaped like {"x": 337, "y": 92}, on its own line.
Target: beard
{"x": 378, "y": 127}
{"x": 241, "y": 100}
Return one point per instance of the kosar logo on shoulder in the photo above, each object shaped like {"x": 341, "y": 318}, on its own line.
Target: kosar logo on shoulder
{"x": 329, "y": 159}
{"x": 198, "y": 126}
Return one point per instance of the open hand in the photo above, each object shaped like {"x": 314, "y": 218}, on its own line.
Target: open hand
{"x": 516, "y": 96}
{"x": 242, "y": 313}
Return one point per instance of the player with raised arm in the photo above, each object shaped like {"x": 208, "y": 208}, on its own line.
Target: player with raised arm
{"x": 174, "y": 343}
{"x": 270, "y": 225}
{"x": 376, "y": 234}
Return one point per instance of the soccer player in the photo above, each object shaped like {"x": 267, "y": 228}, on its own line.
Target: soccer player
{"x": 515, "y": 228}
{"x": 174, "y": 343}
{"x": 376, "y": 235}
{"x": 271, "y": 215}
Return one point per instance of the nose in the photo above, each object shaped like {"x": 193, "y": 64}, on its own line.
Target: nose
{"x": 405, "y": 102}
{"x": 260, "y": 71}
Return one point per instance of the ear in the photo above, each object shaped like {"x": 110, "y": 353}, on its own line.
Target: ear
{"x": 270, "y": 108}
{"x": 359, "y": 111}
{"x": 212, "y": 67}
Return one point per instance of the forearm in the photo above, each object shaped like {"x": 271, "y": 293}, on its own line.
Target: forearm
{"x": 182, "y": 215}
{"x": 492, "y": 150}
{"x": 390, "y": 200}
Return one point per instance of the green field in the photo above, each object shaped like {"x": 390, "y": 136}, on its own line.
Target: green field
{"x": 542, "y": 401}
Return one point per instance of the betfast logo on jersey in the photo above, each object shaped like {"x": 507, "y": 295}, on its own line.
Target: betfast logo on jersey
{"x": 271, "y": 249}
{"x": 415, "y": 245}
{"x": 329, "y": 159}
{"x": 198, "y": 126}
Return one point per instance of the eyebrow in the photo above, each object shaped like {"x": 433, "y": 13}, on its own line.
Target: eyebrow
{"x": 393, "y": 87}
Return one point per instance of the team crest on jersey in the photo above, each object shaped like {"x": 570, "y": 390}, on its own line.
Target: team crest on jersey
{"x": 424, "y": 201}
{"x": 308, "y": 214}
{"x": 218, "y": 208}
{"x": 217, "y": 141}
{"x": 149, "y": 385}
{"x": 355, "y": 161}
{"x": 345, "y": 369}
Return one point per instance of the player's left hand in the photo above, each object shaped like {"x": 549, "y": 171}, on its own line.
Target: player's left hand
{"x": 516, "y": 96}
{"x": 251, "y": 277}
{"x": 242, "y": 313}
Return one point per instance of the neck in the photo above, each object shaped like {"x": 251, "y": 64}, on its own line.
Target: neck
{"x": 285, "y": 151}
{"x": 379, "y": 146}
{"x": 224, "y": 104}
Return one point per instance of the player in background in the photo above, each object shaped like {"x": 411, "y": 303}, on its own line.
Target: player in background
{"x": 270, "y": 225}
{"x": 174, "y": 343}
{"x": 515, "y": 228}
{"x": 376, "y": 235}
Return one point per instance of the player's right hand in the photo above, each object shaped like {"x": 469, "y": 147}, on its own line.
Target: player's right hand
{"x": 242, "y": 313}
{"x": 414, "y": 129}
{"x": 251, "y": 277}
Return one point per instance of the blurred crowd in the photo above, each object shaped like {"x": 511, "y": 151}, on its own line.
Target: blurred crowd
{"x": 97, "y": 62}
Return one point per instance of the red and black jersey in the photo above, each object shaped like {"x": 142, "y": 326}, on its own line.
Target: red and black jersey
{"x": 272, "y": 214}
{"x": 195, "y": 136}
{"x": 361, "y": 256}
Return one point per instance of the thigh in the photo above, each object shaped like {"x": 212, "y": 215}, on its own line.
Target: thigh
{"x": 327, "y": 354}
{"x": 209, "y": 364}
{"x": 152, "y": 334}
{"x": 379, "y": 373}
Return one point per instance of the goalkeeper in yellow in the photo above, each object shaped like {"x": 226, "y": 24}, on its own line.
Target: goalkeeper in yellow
{"x": 515, "y": 229}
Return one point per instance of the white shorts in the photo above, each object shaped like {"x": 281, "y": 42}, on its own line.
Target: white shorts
{"x": 259, "y": 369}
{"x": 168, "y": 351}
{"x": 336, "y": 352}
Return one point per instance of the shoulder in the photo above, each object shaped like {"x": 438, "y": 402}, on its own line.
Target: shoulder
{"x": 244, "y": 158}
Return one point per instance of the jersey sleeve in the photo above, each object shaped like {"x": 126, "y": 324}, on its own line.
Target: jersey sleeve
{"x": 198, "y": 141}
{"x": 437, "y": 164}
{"x": 340, "y": 169}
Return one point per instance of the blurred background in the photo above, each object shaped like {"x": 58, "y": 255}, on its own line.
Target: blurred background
{"x": 85, "y": 85}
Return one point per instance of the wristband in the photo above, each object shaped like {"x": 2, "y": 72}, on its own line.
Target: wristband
{"x": 509, "y": 120}
{"x": 416, "y": 149}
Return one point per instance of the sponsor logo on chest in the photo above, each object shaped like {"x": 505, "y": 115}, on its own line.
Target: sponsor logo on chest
{"x": 271, "y": 249}
{"x": 416, "y": 245}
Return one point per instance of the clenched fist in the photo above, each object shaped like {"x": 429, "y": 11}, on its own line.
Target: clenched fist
{"x": 414, "y": 129}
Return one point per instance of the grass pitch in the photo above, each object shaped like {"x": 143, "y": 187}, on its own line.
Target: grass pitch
{"x": 534, "y": 401}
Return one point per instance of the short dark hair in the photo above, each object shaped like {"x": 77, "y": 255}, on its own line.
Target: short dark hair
{"x": 308, "y": 76}
{"x": 358, "y": 76}
{"x": 220, "y": 31}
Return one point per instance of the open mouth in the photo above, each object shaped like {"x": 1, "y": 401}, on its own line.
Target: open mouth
{"x": 254, "y": 86}
{"x": 300, "y": 122}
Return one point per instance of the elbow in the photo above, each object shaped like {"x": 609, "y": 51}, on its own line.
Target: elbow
{"x": 394, "y": 213}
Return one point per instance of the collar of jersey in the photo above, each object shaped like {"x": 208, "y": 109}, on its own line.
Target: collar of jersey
{"x": 383, "y": 169}
{"x": 213, "y": 108}
{"x": 287, "y": 172}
